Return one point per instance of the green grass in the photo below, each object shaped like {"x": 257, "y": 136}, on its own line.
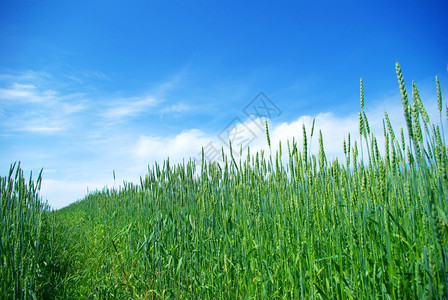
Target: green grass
{"x": 373, "y": 226}
{"x": 29, "y": 269}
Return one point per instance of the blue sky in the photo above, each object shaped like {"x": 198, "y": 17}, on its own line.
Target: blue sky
{"x": 88, "y": 87}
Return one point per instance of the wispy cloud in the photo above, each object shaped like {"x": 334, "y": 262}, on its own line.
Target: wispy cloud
{"x": 30, "y": 108}
{"x": 171, "y": 84}
{"x": 42, "y": 125}
{"x": 20, "y": 76}
{"x": 96, "y": 75}
{"x": 177, "y": 109}
{"x": 24, "y": 93}
{"x": 123, "y": 109}
{"x": 120, "y": 109}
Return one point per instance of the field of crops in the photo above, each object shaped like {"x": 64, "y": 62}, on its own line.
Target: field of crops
{"x": 372, "y": 226}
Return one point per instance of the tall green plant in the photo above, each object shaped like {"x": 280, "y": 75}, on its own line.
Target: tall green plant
{"x": 25, "y": 238}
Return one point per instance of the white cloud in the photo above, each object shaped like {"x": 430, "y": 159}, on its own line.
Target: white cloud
{"x": 120, "y": 109}
{"x": 24, "y": 86}
{"x": 19, "y": 93}
{"x": 60, "y": 193}
{"x": 29, "y": 108}
{"x": 184, "y": 145}
{"x": 27, "y": 93}
{"x": 252, "y": 133}
{"x": 129, "y": 107}
{"x": 43, "y": 129}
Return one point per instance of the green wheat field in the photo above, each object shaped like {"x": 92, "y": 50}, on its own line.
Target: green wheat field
{"x": 373, "y": 226}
